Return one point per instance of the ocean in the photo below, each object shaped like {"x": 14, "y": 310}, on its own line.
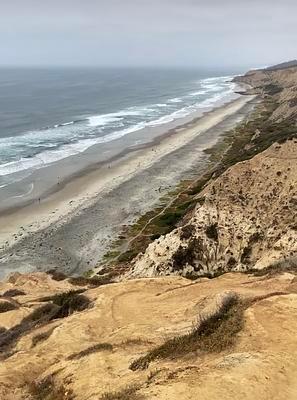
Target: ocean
{"x": 48, "y": 115}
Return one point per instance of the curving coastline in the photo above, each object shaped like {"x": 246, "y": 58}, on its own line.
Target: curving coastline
{"x": 79, "y": 216}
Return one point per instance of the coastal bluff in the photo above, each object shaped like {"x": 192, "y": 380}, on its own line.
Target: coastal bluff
{"x": 206, "y": 311}
{"x": 246, "y": 218}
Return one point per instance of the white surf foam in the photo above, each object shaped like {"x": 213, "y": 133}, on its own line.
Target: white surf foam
{"x": 86, "y": 133}
{"x": 101, "y": 120}
{"x": 105, "y": 119}
{"x": 175, "y": 100}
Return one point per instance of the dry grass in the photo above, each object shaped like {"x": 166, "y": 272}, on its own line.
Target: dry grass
{"x": 13, "y": 293}
{"x": 135, "y": 342}
{"x": 47, "y": 390}
{"x": 213, "y": 333}
{"x": 95, "y": 281}
{"x": 60, "y": 306}
{"x": 39, "y": 316}
{"x": 57, "y": 275}
{"x": 41, "y": 337}
{"x": 68, "y": 302}
{"x": 91, "y": 350}
{"x": 128, "y": 393}
{"x": 289, "y": 265}
{"x": 6, "y": 306}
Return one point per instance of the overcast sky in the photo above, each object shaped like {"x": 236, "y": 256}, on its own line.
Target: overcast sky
{"x": 148, "y": 32}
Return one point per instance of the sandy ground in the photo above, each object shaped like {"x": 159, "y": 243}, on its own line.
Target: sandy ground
{"x": 136, "y": 316}
{"x": 71, "y": 228}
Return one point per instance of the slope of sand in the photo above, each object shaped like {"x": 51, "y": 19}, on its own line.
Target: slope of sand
{"x": 134, "y": 317}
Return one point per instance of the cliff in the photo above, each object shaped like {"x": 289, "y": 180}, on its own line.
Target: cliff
{"x": 247, "y": 217}
{"x": 280, "y": 84}
{"x": 171, "y": 331}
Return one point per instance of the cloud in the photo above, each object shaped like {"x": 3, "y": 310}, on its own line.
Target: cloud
{"x": 147, "y": 32}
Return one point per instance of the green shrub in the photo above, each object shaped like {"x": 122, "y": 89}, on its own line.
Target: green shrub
{"x": 169, "y": 218}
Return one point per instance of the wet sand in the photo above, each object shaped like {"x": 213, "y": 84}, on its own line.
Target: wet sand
{"x": 72, "y": 226}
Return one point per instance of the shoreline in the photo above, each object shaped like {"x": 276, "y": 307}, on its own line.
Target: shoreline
{"x": 81, "y": 192}
{"x": 92, "y": 159}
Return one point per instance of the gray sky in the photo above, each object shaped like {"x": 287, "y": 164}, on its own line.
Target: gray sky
{"x": 148, "y": 32}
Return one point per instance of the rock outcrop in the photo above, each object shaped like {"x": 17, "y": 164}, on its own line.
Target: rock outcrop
{"x": 248, "y": 219}
{"x": 281, "y": 84}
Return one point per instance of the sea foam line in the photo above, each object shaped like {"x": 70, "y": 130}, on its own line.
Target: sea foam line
{"x": 82, "y": 142}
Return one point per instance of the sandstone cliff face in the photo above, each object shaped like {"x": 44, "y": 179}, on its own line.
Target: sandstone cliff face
{"x": 86, "y": 355}
{"x": 248, "y": 219}
{"x": 282, "y": 84}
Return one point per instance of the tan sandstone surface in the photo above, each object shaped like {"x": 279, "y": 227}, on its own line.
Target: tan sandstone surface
{"x": 134, "y": 317}
{"x": 158, "y": 335}
{"x": 248, "y": 219}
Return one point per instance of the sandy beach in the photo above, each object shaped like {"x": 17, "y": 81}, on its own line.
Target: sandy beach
{"x": 71, "y": 227}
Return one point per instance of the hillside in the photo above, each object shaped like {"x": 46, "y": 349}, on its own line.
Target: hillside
{"x": 280, "y": 85}
{"x": 284, "y": 65}
{"x": 247, "y": 217}
{"x": 206, "y": 311}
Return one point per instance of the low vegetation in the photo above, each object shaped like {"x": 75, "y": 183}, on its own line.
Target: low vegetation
{"x": 187, "y": 254}
{"x": 212, "y": 232}
{"x": 47, "y": 390}
{"x": 68, "y": 302}
{"x": 7, "y": 306}
{"x": 94, "y": 281}
{"x": 187, "y": 231}
{"x": 288, "y": 265}
{"x": 13, "y": 293}
{"x": 213, "y": 333}
{"x": 135, "y": 342}
{"x": 58, "y": 306}
{"x": 41, "y": 337}
{"x": 90, "y": 350}
{"x": 128, "y": 393}
{"x": 57, "y": 275}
